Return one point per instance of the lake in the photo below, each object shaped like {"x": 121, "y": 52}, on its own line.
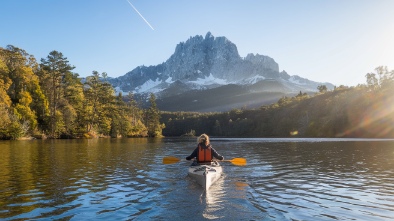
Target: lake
{"x": 124, "y": 179}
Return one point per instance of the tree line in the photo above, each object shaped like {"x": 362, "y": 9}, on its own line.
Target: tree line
{"x": 365, "y": 110}
{"x": 47, "y": 99}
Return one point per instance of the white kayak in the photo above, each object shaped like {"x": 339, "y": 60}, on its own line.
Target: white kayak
{"x": 206, "y": 175}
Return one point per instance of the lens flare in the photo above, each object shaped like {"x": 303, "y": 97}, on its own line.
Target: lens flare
{"x": 377, "y": 120}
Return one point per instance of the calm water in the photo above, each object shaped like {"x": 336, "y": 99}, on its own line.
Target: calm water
{"x": 124, "y": 179}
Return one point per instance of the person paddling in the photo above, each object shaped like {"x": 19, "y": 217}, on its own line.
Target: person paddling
{"x": 204, "y": 151}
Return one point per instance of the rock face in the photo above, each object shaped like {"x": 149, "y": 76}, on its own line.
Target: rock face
{"x": 204, "y": 63}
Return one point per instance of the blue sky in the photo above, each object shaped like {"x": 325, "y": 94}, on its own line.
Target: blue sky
{"x": 336, "y": 41}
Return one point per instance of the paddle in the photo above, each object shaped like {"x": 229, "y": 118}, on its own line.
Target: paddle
{"x": 170, "y": 160}
{"x": 235, "y": 161}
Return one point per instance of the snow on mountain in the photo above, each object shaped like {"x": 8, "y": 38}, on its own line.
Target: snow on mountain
{"x": 208, "y": 62}
{"x": 148, "y": 86}
{"x": 254, "y": 79}
{"x": 209, "y": 80}
{"x": 298, "y": 80}
{"x": 169, "y": 80}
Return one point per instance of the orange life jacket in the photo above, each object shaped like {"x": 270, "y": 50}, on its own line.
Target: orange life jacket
{"x": 204, "y": 155}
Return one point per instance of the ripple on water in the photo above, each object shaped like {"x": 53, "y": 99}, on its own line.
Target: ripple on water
{"x": 283, "y": 181}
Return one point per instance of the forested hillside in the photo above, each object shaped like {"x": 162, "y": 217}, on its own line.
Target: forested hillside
{"x": 365, "y": 111}
{"x": 47, "y": 99}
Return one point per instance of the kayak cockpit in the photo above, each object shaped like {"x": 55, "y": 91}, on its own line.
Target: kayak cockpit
{"x": 205, "y": 174}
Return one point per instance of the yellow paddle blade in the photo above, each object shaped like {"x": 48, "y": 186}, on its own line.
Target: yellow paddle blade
{"x": 238, "y": 161}
{"x": 170, "y": 160}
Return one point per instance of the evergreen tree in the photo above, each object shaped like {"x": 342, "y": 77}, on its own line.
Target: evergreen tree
{"x": 72, "y": 105}
{"x": 54, "y": 69}
{"x": 322, "y": 88}
{"x": 135, "y": 117}
{"x": 372, "y": 81}
{"x": 98, "y": 105}
{"x": 120, "y": 124}
{"x": 153, "y": 118}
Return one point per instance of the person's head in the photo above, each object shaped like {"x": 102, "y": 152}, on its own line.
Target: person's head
{"x": 203, "y": 138}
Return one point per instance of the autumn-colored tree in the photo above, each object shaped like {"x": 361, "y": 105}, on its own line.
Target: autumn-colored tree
{"x": 8, "y": 121}
{"x": 29, "y": 103}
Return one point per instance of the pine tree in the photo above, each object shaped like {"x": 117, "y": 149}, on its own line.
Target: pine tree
{"x": 153, "y": 118}
{"x": 98, "y": 105}
{"x": 53, "y": 71}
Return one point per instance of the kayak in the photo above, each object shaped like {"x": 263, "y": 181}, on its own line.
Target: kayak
{"x": 205, "y": 175}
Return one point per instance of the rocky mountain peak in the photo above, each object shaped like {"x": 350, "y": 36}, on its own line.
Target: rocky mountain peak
{"x": 209, "y": 62}
{"x": 209, "y": 35}
{"x": 200, "y": 57}
{"x": 264, "y": 61}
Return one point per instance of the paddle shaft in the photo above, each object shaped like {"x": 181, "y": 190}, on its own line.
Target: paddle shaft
{"x": 235, "y": 161}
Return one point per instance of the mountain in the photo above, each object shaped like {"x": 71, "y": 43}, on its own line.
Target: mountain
{"x": 208, "y": 74}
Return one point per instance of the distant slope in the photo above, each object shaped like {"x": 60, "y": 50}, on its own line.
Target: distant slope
{"x": 222, "y": 98}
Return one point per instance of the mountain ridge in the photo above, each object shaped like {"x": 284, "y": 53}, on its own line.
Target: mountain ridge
{"x": 205, "y": 63}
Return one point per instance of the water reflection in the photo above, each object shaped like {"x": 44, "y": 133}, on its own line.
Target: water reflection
{"x": 345, "y": 178}
{"x": 239, "y": 185}
{"x": 48, "y": 178}
{"x": 214, "y": 200}
{"x": 124, "y": 179}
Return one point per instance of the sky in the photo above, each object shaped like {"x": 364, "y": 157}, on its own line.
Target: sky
{"x": 336, "y": 41}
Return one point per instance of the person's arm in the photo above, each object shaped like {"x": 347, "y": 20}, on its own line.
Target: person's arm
{"x": 216, "y": 155}
{"x": 193, "y": 155}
